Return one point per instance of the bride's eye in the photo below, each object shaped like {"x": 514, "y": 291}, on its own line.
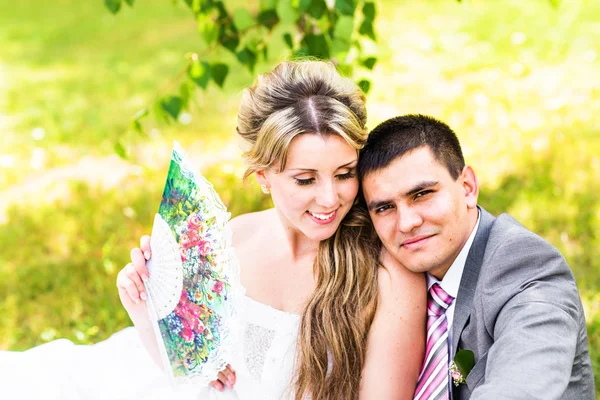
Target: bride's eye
{"x": 347, "y": 175}
{"x": 303, "y": 182}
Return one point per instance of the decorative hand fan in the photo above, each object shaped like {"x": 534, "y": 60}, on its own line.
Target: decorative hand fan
{"x": 194, "y": 283}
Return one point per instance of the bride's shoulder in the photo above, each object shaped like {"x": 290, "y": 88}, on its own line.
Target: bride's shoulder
{"x": 248, "y": 227}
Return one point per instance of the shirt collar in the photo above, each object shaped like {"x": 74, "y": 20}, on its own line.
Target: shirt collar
{"x": 451, "y": 281}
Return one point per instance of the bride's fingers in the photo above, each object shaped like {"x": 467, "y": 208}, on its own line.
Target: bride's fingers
{"x": 139, "y": 263}
{"x": 223, "y": 378}
{"x": 230, "y": 374}
{"x": 127, "y": 286}
{"x": 227, "y": 377}
{"x": 145, "y": 246}
{"x": 134, "y": 278}
{"x": 217, "y": 385}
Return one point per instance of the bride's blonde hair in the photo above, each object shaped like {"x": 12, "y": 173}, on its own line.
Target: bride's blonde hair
{"x": 311, "y": 97}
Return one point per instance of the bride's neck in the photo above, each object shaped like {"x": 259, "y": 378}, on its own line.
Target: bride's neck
{"x": 299, "y": 246}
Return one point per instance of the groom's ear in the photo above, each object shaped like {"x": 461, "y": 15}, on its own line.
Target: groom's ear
{"x": 470, "y": 186}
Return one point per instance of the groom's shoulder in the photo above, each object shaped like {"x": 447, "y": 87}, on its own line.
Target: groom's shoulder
{"x": 513, "y": 252}
{"x": 508, "y": 234}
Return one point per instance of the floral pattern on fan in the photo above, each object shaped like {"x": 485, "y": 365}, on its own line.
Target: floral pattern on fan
{"x": 194, "y": 333}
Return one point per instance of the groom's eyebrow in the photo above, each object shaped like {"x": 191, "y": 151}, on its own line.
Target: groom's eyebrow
{"x": 420, "y": 186}
{"x": 373, "y": 205}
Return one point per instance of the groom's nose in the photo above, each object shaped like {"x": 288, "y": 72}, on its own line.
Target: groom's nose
{"x": 407, "y": 219}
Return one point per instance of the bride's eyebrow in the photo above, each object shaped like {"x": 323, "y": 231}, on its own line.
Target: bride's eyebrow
{"x": 348, "y": 164}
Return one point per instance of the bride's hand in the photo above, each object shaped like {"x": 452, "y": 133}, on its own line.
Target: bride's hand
{"x": 225, "y": 378}
{"x": 130, "y": 280}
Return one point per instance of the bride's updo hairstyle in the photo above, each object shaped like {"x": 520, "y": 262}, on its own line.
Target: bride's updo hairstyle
{"x": 310, "y": 97}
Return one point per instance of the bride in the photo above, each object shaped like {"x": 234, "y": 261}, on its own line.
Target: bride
{"x": 320, "y": 313}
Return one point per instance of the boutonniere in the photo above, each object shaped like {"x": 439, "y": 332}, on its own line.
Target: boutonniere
{"x": 463, "y": 363}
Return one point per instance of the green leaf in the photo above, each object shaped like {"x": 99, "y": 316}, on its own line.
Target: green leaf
{"x": 369, "y": 11}
{"x": 345, "y": 7}
{"x": 172, "y": 105}
{"x": 286, "y": 12}
{"x": 268, "y": 18}
{"x": 223, "y": 14}
{"x": 242, "y": 19}
{"x": 317, "y": 8}
{"x": 113, "y": 5}
{"x": 130, "y": 2}
{"x": 269, "y": 4}
{"x": 208, "y": 29}
{"x": 137, "y": 126}
{"x": 228, "y": 37}
{"x": 316, "y": 45}
{"x": 289, "y": 41}
{"x": 247, "y": 57}
{"x": 120, "y": 150}
{"x": 185, "y": 92}
{"x": 141, "y": 114}
{"x": 304, "y": 5}
{"x": 343, "y": 28}
{"x": 365, "y": 85}
{"x": 366, "y": 29}
{"x": 219, "y": 73}
{"x": 199, "y": 73}
{"x": 465, "y": 361}
{"x": 369, "y": 62}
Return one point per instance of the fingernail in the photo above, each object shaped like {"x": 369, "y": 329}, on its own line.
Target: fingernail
{"x": 143, "y": 296}
{"x": 147, "y": 255}
{"x": 144, "y": 278}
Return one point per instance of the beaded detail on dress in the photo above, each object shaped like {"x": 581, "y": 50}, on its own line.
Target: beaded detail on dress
{"x": 257, "y": 342}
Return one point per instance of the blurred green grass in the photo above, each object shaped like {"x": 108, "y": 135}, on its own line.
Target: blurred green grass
{"x": 516, "y": 80}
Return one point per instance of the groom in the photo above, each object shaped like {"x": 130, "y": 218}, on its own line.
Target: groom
{"x": 495, "y": 288}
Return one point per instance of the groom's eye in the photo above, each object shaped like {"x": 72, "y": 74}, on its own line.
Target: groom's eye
{"x": 423, "y": 193}
{"x": 382, "y": 209}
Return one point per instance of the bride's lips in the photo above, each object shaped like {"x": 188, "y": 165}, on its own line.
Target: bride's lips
{"x": 416, "y": 241}
{"x": 323, "y": 221}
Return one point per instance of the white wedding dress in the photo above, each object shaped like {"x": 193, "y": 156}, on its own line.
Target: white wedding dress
{"x": 120, "y": 368}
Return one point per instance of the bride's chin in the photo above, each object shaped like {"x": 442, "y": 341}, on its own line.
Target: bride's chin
{"x": 322, "y": 234}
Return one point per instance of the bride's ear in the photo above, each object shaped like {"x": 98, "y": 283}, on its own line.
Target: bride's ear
{"x": 263, "y": 181}
{"x": 261, "y": 177}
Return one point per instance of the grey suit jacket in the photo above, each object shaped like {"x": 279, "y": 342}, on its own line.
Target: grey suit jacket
{"x": 519, "y": 311}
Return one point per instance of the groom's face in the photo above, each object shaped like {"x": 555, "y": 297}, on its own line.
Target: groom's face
{"x": 422, "y": 215}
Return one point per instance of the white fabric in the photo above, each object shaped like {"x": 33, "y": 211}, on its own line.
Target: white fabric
{"x": 451, "y": 281}
{"x": 120, "y": 368}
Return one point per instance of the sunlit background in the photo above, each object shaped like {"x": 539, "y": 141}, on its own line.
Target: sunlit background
{"x": 517, "y": 80}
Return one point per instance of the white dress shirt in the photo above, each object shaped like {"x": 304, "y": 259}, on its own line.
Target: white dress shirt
{"x": 451, "y": 281}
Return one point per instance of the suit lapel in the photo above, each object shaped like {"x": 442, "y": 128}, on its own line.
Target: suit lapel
{"x": 468, "y": 282}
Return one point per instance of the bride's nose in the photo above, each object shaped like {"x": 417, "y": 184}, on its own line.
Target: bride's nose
{"x": 327, "y": 195}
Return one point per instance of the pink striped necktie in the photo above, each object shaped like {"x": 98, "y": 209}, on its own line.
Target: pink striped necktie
{"x": 433, "y": 380}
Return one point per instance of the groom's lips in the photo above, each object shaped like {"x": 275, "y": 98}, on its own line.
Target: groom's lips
{"x": 415, "y": 241}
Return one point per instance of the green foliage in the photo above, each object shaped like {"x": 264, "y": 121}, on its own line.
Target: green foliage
{"x": 324, "y": 32}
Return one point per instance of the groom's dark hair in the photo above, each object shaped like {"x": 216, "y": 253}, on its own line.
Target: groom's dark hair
{"x": 397, "y": 136}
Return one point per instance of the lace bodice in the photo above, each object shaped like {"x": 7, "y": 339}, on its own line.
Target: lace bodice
{"x": 266, "y": 351}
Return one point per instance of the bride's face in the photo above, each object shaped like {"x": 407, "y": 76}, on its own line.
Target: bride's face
{"x": 318, "y": 185}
